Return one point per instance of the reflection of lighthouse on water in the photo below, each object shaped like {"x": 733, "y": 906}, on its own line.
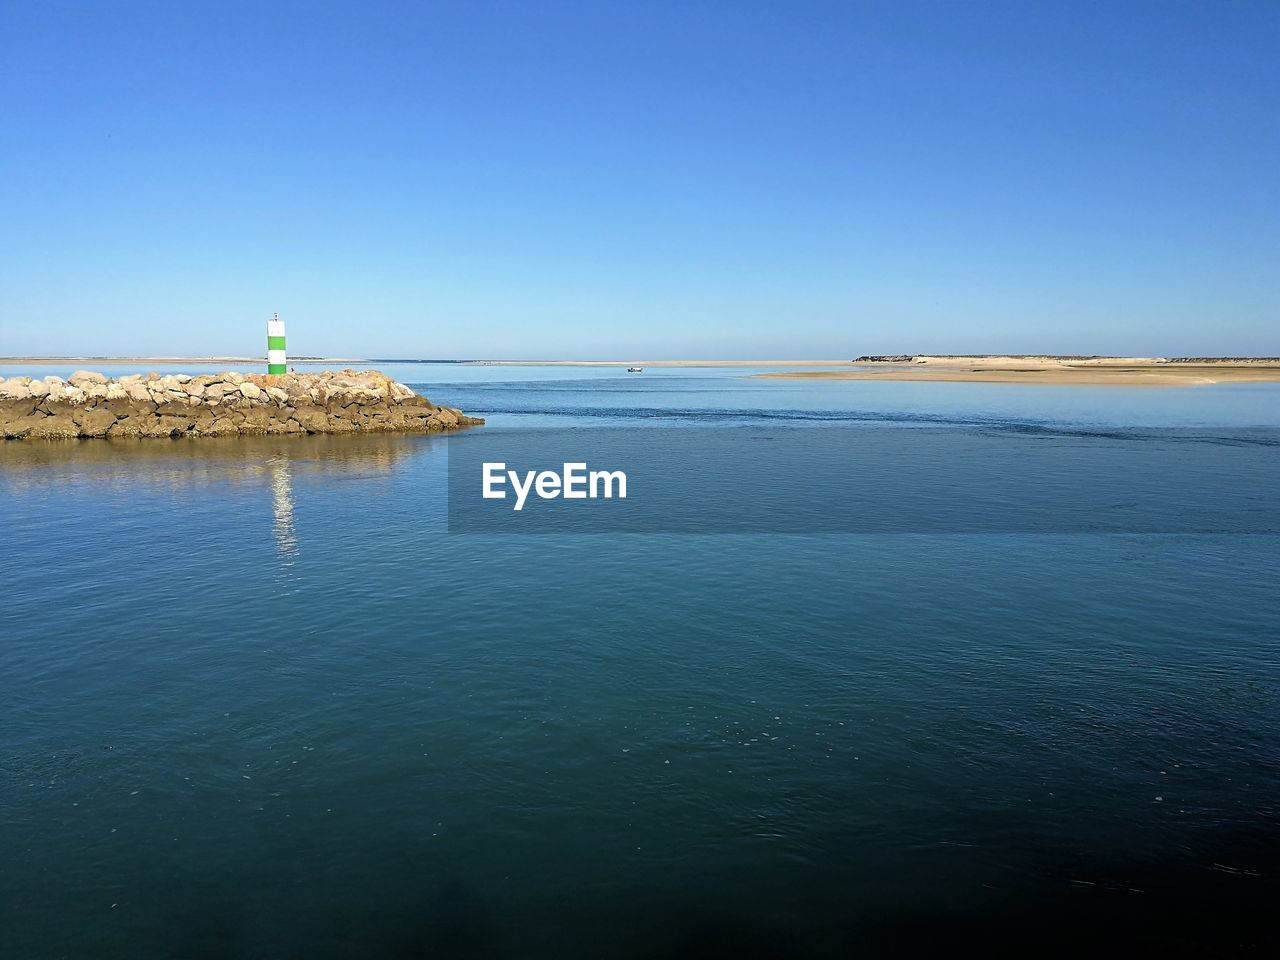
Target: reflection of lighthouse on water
{"x": 282, "y": 507}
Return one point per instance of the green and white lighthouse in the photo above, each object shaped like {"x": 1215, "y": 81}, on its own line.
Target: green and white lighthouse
{"x": 276, "y": 362}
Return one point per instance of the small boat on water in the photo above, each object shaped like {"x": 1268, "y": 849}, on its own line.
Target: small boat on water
{"x": 635, "y": 369}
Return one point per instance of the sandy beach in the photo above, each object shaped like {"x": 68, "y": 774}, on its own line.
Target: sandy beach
{"x": 1065, "y": 371}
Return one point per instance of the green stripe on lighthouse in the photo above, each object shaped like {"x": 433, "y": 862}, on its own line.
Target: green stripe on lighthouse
{"x": 275, "y": 343}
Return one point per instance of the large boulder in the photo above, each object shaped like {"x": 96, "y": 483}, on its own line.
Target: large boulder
{"x": 83, "y": 378}
{"x": 19, "y": 427}
{"x": 166, "y": 426}
{"x": 94, "y": 421}
{"x": 136, "y": 390}
{"x": 221, "y": 427}
{"x": 60, "y": 426}
{"x": 284, "y": 426}
{"x": 127, "y": 427}
{"x": 14, "y": 409}
{"x": 15, "y": 388}
{"x": 257, "y": 418}
{"x": 312, "y": 420}
{"x": 342, "y": 425}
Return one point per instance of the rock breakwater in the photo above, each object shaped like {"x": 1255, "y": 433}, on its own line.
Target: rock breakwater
{"x": 226, "y": 404}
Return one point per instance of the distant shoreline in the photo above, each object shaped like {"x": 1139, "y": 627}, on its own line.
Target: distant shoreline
{"x": 1053, "y": 370}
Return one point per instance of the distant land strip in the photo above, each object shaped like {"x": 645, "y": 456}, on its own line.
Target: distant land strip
{"x": 1050, "y": 370}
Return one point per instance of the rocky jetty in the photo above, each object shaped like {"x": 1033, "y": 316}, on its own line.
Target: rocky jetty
{"x": 217, "y": 405}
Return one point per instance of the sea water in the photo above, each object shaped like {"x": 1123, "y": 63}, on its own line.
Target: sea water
{"x": 258, "y": 700}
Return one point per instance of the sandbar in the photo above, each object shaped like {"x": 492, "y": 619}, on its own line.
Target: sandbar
{"x": 1061, "y": 371}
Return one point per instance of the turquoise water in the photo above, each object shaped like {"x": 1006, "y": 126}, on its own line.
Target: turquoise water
{"x": 259, "y": 702}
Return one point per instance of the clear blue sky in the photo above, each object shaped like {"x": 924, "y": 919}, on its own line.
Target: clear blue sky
{"x": 640, "y": 179}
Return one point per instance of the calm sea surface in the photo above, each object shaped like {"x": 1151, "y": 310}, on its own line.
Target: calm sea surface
{"x": 257, "y": 701}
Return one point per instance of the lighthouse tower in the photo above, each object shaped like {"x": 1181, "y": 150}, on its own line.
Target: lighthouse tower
{"x": 276, "y": 362}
